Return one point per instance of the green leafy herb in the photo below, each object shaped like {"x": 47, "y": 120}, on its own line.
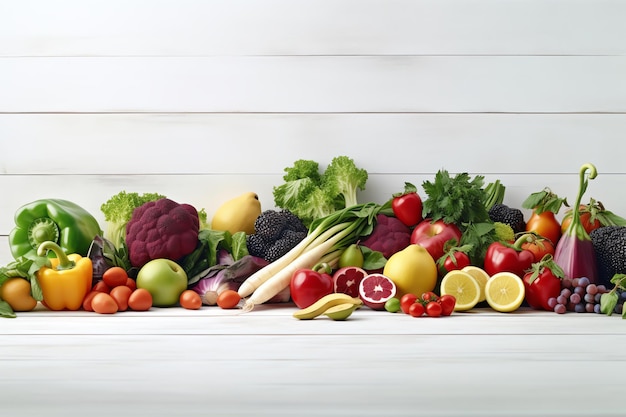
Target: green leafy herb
{"x": 459, "y": 199}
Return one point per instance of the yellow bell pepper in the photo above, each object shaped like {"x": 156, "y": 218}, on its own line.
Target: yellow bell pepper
{"x": 67, "y": 281}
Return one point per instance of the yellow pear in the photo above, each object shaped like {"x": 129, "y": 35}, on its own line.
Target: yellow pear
{"x": 238, "y": 214}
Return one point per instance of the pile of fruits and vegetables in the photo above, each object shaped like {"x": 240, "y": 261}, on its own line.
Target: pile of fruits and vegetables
{"x": 454, "y": 248}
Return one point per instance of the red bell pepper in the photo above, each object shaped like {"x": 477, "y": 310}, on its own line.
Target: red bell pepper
{"x": 407, "y": 205}
{"x": 543, "y": 282}
{"x": 502, "y": 256}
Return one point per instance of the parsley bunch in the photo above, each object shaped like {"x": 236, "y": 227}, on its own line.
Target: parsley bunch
{"x": 461, "y": 200}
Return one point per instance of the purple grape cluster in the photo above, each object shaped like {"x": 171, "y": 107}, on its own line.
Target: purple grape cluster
{"x": 578, "y": 295}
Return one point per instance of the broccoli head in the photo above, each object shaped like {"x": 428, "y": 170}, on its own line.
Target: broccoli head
{"x": 161, "y": 229}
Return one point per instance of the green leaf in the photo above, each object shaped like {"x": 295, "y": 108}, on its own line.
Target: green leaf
{"x": 239, "y": 248}
{"x": 372, "y": 260}
{"x": 6, "y": 310}
{"x": 35, "y": 289}
{"x": 608, "y": 301}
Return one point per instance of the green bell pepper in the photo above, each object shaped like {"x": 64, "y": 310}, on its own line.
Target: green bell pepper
{"x": 70, "y": 226}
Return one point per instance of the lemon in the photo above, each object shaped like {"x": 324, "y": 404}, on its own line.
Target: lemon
{"x": 463, "y": 287}
{"x": 505, "y": 292}
{"x": 479, "y": 275}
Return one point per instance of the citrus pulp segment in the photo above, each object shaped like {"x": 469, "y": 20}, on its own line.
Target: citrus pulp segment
{"x": 505, "y": 292}
{"x": 481, "y": 276}
{"x": 463, "y": 287}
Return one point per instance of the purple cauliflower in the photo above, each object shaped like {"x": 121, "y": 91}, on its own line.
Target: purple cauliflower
{"x": 161, "y": 229}
{"x": 389, "y": 236}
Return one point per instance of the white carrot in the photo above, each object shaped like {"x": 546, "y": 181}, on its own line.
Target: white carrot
{"x": 326, "y": 238}
{"x": 311, "y": 241}
{"x": 279, "y": 281}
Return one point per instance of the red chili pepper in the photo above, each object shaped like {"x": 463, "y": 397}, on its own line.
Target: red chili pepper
{"x": 510, "y": 258}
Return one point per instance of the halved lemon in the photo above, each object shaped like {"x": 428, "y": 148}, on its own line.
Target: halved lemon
{"x": 505, "y": 292}
{"x": 463, "y": 287}
{"x": 479, "y": 275}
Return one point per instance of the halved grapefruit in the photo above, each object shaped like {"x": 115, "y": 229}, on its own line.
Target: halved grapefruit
{"x": 375, "y": 290}
{"x": 347, "y": 280}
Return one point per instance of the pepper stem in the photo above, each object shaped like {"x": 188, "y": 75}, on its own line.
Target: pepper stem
{"x": 64, "y": 261}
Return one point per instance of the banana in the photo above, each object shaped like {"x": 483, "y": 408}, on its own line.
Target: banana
{"x": 341, "y": 311}
{"x": 324, "y": 303}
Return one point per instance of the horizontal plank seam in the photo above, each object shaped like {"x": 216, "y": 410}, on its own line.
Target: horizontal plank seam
{"x": 304, "y": 113}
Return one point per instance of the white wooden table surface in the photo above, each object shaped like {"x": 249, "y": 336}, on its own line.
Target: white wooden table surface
{"x": 172, "y": 361}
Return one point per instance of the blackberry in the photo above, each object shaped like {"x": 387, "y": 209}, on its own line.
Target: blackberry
{"x": 270, "y": 224}
{"x": 609, "y": 244}
{"x": 280, "y": 247}
{"x": 257, "y": 246}
{"x": 294, "y": 222}
{"x": 507, "y": 215}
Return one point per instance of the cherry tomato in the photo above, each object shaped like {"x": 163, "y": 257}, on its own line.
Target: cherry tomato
{"x": 433, "y": 309}
{"x": 121, "y": 294}
{"x": 540, "y": 247}
{"x": 140, "y": 300}
{"x": 228, "y": 299}
{"x": 87, "y": 300}
{"x": 429, "y": 296}
{"x": 455, "y": 261}
{"x": 190, "y": 300}
{"x": 100, "y": 286}
{"x": 103, "y": 303}
{"x": 447, "y": 302}
{"x": 407, "y": 301}
{"x": 131, "y": 283}
{"x": 114, "y": 277}
{"x": 545, "y": 225}
{"x": 416, "y": 310}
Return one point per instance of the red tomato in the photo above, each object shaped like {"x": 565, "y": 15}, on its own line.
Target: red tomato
{"x": 103, "y": 303}
{"x": 407, "y": 301}
{"x": 447, "y": 302}
{"x": 585, "y": 220}
{"x": 87, "y": 301}
{"x": 545, "y": 225}
{"x": 540, "y": 247}
{"x": 433, "y": 309}
{"x": 455, "y": 261}
{"x": 121, "y": 294}
{"x": 228, "y": 299}
{"x": 131, "y": 283}
{"x": 100, "y": 286}
{"x": 416, "y": 310}
{"x": 407, "y": 206}
{"x": 114, "y": 277}
{"x": 429, "y": 296}
{"x": 545, "y": 286}
{"x": 190, "y": 300}
{"x": 140, "y": 300}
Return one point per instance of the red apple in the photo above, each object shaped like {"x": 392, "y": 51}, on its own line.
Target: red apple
{"x": 433, "y": 235}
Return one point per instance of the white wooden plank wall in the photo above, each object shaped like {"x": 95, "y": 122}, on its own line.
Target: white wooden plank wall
{"x": 203, "y": 100}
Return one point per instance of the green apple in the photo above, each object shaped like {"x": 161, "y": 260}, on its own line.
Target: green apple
{"x": 164, "y": 279}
